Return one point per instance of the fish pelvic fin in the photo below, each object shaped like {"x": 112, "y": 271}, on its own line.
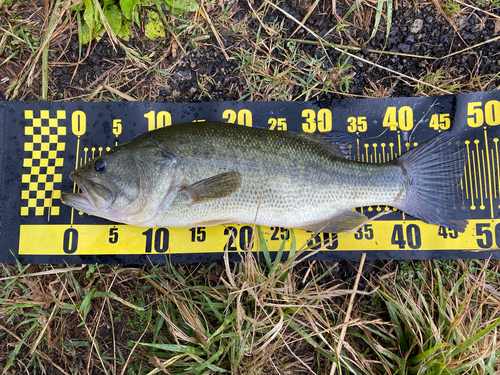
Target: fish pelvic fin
{"x": 216, "y": 187}
{"x": 434, "y": 170}
{"x": 341, "y": 222}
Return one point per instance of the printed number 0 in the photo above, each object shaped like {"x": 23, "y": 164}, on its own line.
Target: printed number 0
{"x": 70, "y": 241}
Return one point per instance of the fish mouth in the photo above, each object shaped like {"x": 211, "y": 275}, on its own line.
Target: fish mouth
{"x": 95, "y": 197}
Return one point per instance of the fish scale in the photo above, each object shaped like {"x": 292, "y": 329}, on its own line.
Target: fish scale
{"x": 199, "y": 174}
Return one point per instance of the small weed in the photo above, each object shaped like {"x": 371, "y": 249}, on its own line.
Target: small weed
{"x": 451, "y": 7}
{"x": 438, "y": 79}
{"x": 17, "y": 38}
{"x": 106, "y": 15}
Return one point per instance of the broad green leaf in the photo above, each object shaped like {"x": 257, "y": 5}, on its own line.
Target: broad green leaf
{"x": 128, "y": 7}
{"x": 125, "y": 32}
{"x": 99, "y": 32}
{"x": 77, "y": 8}
{"x": 86, "y": 34}
{"x": 137, "y": 20}
{"x": 181, "y": 6}
{"x": 88, "y": 15}
{"x": 114, "y": 18}
{"x": 154, "y": 27}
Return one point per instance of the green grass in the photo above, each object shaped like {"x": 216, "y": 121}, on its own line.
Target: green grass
{"x": 443, "y": 320}
{"x": 251, "y": 318}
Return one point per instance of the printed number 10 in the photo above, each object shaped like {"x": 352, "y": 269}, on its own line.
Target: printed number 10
{"x": 161, "y": 119}
{"x": 161, "y": 240}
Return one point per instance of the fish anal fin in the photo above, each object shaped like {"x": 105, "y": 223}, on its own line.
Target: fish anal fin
{"x": 340, "y": 222}
{"x": 216, "y": 187}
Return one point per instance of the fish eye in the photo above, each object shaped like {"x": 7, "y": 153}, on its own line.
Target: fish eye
{"x": 100, "y": 165}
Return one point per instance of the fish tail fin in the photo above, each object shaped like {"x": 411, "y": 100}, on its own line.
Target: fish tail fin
{"x": 434, "y": 171}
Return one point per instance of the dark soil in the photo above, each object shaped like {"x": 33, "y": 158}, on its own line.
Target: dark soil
{"x": 434, "y": 37}
{"x": 417, "y": 29}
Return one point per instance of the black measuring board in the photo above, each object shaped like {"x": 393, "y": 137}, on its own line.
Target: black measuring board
{"x": 42, "y": 142}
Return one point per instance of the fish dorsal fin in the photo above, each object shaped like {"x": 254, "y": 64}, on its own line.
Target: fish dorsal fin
{"x": 336, "y": 142}
{"x": 341, "y": 222}
{"x": 216, "y": 187}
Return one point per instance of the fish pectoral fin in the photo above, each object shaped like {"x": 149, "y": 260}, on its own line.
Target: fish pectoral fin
{"x": 341, "y": 222}
{"x": 216, "y": 187}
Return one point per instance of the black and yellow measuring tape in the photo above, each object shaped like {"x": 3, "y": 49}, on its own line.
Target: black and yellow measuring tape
{"x": 42, "y": 142}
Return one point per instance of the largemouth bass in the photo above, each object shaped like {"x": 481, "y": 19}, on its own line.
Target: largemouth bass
{"x": 209, "y": 173}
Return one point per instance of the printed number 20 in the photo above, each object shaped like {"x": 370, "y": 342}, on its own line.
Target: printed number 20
{"x": 245, "y": 237}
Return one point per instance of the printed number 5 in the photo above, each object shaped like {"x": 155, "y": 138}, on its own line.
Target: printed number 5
{"x": 113, "y": 235}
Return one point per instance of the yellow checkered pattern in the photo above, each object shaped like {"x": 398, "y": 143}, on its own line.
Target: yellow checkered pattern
{"x": 38, "y": 185}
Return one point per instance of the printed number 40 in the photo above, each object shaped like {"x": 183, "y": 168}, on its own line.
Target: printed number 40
{"x": 401, "y": 119}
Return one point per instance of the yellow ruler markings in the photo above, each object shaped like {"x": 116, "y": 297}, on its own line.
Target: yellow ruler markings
{"x": 483, "y": 164}
{"x": 475, "y": 174}
{"x": 495, "y": 140}
{"x": 478, "y": 176}
{"x": 467, "y": 143}
{"x": 128, "y": 239}
{"x": 492, "y": 169}
{"x": 357, "y": 144}
{"x": 76, "y": 166}
{"x": 463, "y": 182}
